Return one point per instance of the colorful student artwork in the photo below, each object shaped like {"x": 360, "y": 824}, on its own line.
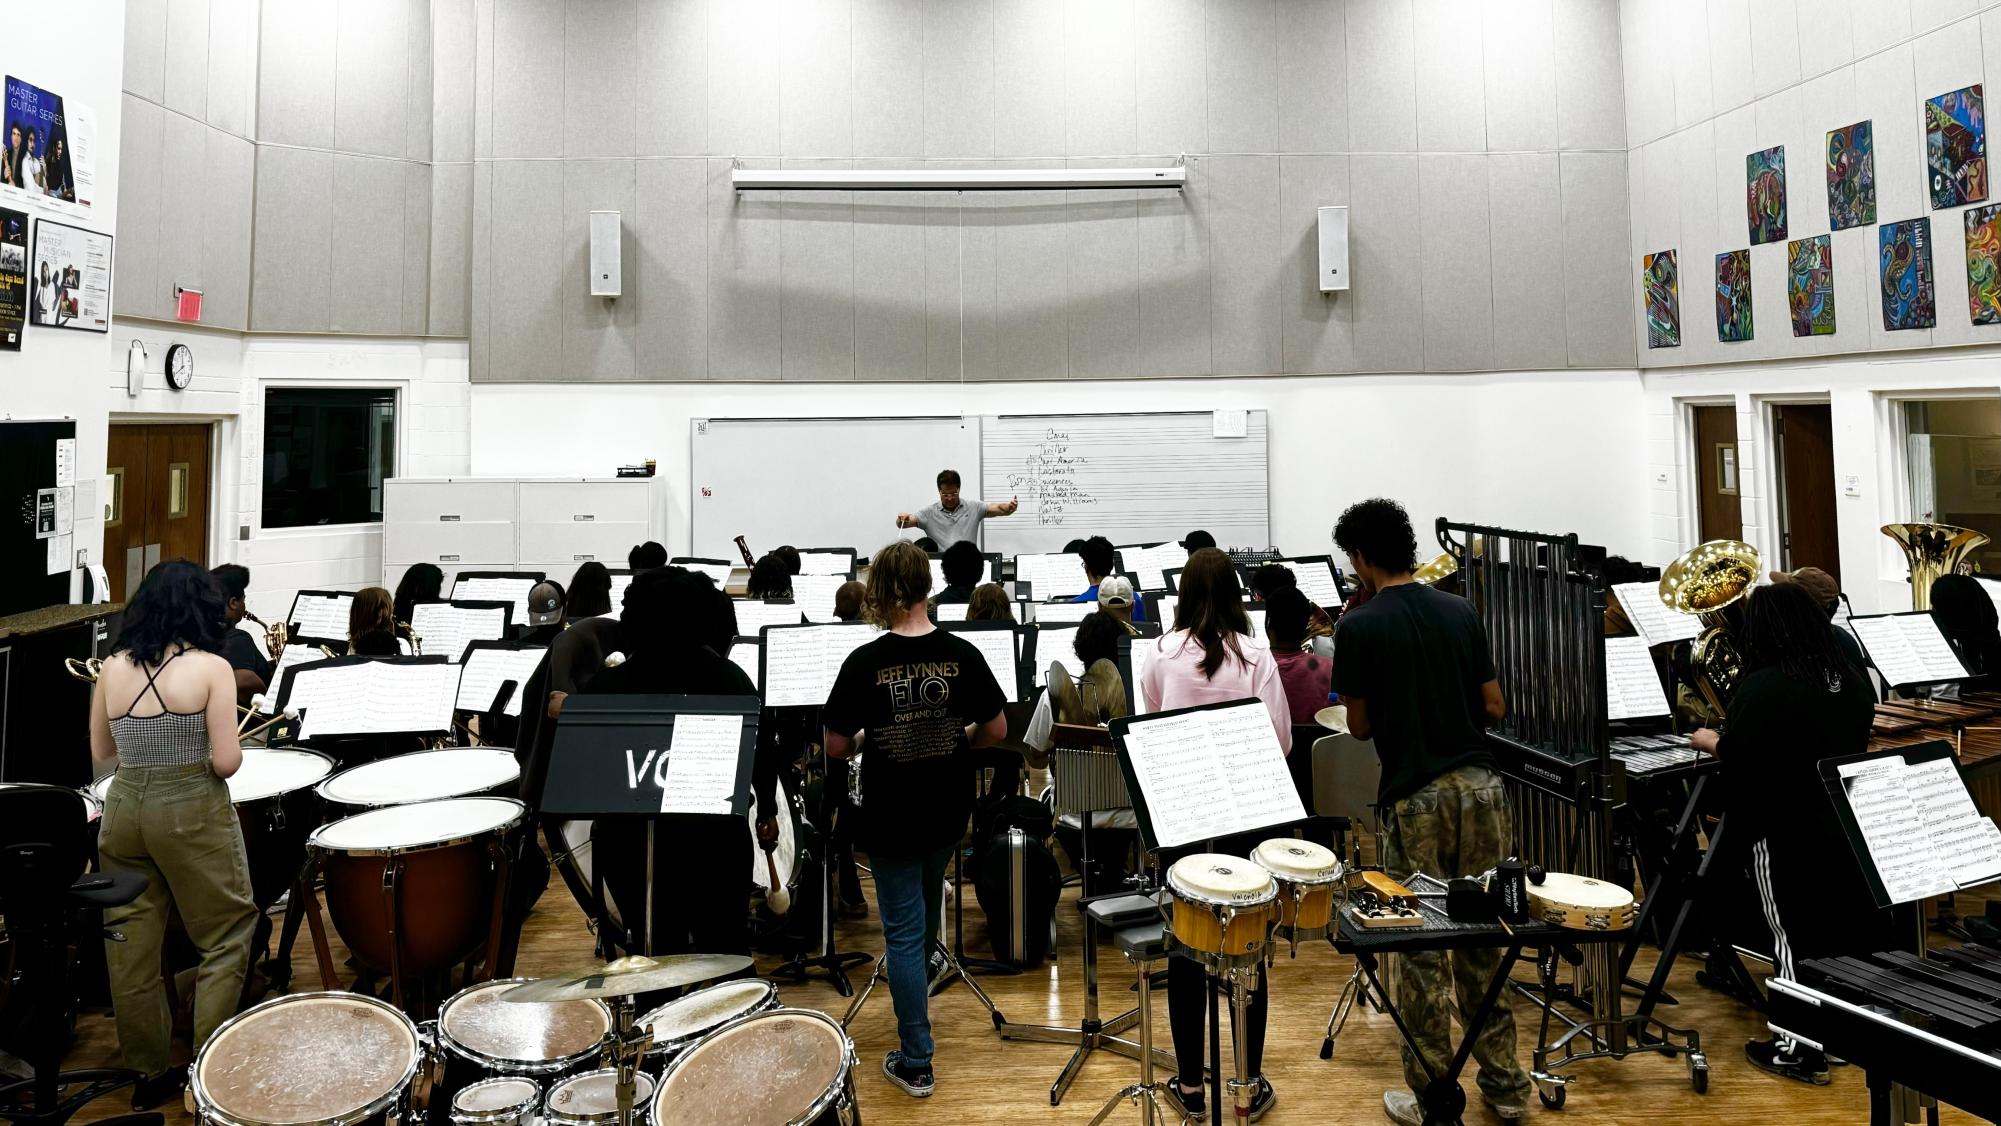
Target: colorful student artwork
{"x": 1851, "y": 176}
{"x": 1810, "y": 285}
{"x": 1956, "y": 148}
{"x": 1663, "y": 300}
{"x": 1983, "y": 264}
{"x": 1765, "y": 194}
{"x": 1909, "y": 298}
{"x": 1733, "y": 296}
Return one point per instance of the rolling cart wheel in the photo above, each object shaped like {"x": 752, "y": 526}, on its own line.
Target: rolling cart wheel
{"x": 1553, "y": 1097}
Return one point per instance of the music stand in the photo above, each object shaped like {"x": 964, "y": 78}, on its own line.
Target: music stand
{"x": 511, "y": 587}
{"x": 319, "y": 613}
{"x": 1908, "y": 649}
{"x": 465, "y": 622}
{"x": 614, "y": 755}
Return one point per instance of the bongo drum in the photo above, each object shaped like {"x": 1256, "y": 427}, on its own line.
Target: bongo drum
{"x": 1306, "y": 874}
{"x": 1580, "y": 903}
{"x": 450, "y": 772}
{"x": 786, "y": 1067}
{"x": 480, "y": 1038}
{"x": 1224, "y": 907}
{"x": 324, "y": 1059}
{"x": 591, "y": 1099}
{"x": 416, "y": 888}
{"x": 496, "y": 1102}
{"x": 677, "y": 1024}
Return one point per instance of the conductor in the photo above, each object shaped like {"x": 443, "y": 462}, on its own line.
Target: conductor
{"x": 952, "y": 520}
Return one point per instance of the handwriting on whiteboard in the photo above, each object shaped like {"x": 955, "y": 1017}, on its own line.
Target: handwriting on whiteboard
{"x": 1049, "y": 477}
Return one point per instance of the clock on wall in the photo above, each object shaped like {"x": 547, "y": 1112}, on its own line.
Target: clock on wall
{"x": 180, "y": 367}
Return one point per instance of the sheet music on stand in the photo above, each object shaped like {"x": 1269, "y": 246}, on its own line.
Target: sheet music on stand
{"x": 1148, "y": 563}
{"x": 1912, "y": 823}
{"x": 717, "y": 569}
{"x": 1652, "y": 618}
{"x": 799, "y": 663}
{"x": 511, "y": 587}
{"x": 620, "y": 579}
{"x": 371, "y": 696}
{"x": 1058, "y": 645}
{"x": 753, "y": 614}
{"x": 448, "y": 627}
{"x": 1000, "y": 644}
{"x": 746, "y": 654}
{"x": 1057, "y": 575}
{"x": 652, "y": 755}
{"x": 814, "y": 595}
{"x": 949, "y": 611}
{"x": 824, "y": 561}
{"x": 320, "y": 613}
{"x": 1908, "y": 648}
{"x": 1316, "y": 579}
{"x": 298, "y": 651}
{"x": 1059, "y": 613}
{"x": 1205, "y": 772}
{"x": 1632, "y": 684}
{"x": 1134, "y": 652}
{"x": 489, "y": 664}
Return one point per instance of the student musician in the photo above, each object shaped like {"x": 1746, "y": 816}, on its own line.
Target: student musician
{"x": 1197, "y": 540}
{"x": 953, "y": 520}
{"x": 925, "y": 698}
{"x": 1210, "y": 657}
{"x": 589, "y": 595}
{"x": 1966, "y": 616}
{"x": 1093, "y": 700}
{"x": 645, "y": 557}
{"x": 239, "y": 647}
{"x": 165, "y": 708}
{"x": 849, "y": 598}
{"x": 423, "y": 582}
{"x": 701, "y": 902}
{"x": 1801, "y": 700}
{"x": 545, "y": 613}
{"x": 989, "y": 603}
{"x": 372, "y": 629}
{"x": 1826, "y": 593}
{"x": 770, "y": 578}
{"x": 1271, "y": 578}
{"x": 1414, "y": 668}
{"x": 1099, "y": 557}
{"x": 965, "y": 568}
{"x": 1116, "y": 598}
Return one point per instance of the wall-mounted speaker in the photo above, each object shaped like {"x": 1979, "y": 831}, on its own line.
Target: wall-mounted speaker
{"x": 607, "y": 276}
{"x": 1333, "y": 249}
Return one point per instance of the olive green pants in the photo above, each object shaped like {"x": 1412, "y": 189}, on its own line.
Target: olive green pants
{"x": 174, "y": 825}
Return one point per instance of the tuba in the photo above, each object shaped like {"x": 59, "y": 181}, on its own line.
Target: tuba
{"x": 1436, "y": 569}
{"x": 1932, "y": 550}
{"x": 1704, "y": 581}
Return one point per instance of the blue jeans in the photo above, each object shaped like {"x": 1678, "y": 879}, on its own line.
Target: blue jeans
{"x": 909, "y": 895}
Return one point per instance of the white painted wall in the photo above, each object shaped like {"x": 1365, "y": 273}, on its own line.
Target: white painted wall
{"x": 1544, "y": 451}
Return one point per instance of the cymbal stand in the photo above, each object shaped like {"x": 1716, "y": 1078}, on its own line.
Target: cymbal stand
{"x": 830, "y": 960}
{"x": 628, "y": 1048}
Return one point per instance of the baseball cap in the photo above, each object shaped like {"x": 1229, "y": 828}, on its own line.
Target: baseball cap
{"x": 1115, "y": 590}
{"x": 1814, "y": 581}
{"x": 545, "y": 604}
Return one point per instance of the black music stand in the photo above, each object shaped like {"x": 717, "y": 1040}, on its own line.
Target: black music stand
{"x": 1946, "y": 669}
{"x": 609, "y": 758}
{"x": 334, "y": 602}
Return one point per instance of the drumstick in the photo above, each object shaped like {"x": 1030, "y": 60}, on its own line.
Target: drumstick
{"x": 777, "y": 898}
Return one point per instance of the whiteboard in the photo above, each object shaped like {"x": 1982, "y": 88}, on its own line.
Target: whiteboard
{"x": 770, "y": 480}
{"x": 1132, "y": 478}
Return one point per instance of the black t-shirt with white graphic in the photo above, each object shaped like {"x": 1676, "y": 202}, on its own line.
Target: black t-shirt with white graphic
{"x": 914, "y": 696}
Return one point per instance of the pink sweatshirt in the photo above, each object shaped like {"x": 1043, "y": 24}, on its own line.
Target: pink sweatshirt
{"x": 1173, "y": 679}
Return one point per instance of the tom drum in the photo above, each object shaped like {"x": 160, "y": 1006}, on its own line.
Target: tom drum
{"x": 326, "y": 1059}
{"x": 786, "y": 1067}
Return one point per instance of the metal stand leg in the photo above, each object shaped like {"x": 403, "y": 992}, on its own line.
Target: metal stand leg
{"x": 1146, "y": 1093}
{"x": 1245, "y": 1084}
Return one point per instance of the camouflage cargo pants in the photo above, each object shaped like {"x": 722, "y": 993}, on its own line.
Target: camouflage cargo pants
{"x": 1458, "y": 825}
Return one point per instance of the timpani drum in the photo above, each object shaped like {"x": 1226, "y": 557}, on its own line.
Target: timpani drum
{"x": 508, "y": 1101}
{"x": 449, "y": 772}
{"x": 591, "y": 1099}
{"x": 1580, "y": 903}
{"x": 1224, "y": 908}
{"x": 324, "y": 1059}
{"x": 416, "y": 888}
{"x": 786, "y": 1067}
{"x": 480, "y": 1037}
{"x": 1306, "y": 874}
{"x": 677, "y": 1024}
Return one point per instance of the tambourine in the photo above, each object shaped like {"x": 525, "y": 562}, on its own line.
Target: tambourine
{"x": 1580, "y": 903}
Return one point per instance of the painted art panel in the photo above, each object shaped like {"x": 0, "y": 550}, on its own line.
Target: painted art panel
{"x": 1983, "y": 264}
{"x": 1810, "y": 285}
{"x": 1910, "y": 300}
{"x": 1956, "y": 148}
{"x": 1851, "y": 176}
{"x": 1733, "y": 296}
{"x": 1663, "y": 286}
{"x": 1765, "y": 194}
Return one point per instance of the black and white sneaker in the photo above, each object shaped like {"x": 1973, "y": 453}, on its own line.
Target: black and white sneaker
{"x": 1189, "y": 1103}
{"x": 917, "y": 1082}
{"x": 1793, "y": 1062}
{"x": 1263, "y": 1100}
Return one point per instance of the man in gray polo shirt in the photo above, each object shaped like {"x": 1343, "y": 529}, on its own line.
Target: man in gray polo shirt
{"x": 951, "y": 519}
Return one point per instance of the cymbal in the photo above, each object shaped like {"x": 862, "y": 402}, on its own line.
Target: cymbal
{"x": 1333, "y": 717}
{"x": 628, "y": 977}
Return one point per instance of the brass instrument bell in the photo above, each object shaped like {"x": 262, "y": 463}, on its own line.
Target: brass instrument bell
{"x": 1932, "y": 550}
{"x": 1703, "y": 581}
{"x": 1436, "y": 569}
{"x": 86, "y": 670}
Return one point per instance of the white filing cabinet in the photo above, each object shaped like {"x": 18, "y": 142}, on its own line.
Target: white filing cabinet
{"x": 548, "y": 524}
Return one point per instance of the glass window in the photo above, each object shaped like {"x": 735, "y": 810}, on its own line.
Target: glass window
{"x": 326, "y": 453}
{"x": 1953, "y": 453}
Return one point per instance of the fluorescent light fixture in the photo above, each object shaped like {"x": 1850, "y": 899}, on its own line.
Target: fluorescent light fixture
{"x": 955, "y": 179}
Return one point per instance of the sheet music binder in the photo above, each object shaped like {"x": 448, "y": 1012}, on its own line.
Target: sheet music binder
{"x": 1017, "y": 689}
{"x": 1151, "y": 835}
{"x": 599, "y": 763}
{"x": 1838, "y": 792}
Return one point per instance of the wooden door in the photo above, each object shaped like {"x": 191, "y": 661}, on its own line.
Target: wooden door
{"x": 159, "y": 500}
{"x": 1720, "y": 515}
{"x": 1805, "y": 435}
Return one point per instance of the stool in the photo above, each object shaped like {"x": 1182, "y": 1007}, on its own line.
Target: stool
{"x": 1145, "y": 945}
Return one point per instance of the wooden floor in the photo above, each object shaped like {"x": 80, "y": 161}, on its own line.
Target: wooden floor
{"x": 984, "y": 1079}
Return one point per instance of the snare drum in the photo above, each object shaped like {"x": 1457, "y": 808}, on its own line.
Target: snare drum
{"x": 330, "y": 1059}
{"x": 1306, "y": 874}
{"x": 416, "y": 888}
{"x": 451, "y": 772}
{"x": 677, "y": 1024}
{"x": 1224, "y": 908}
{"x": 1581, "y": 903}
{"x": 591, "y": 1099}
{"x": 479, "y": 1037}
{"x": 786, "y": 1067}
{"x": 496, "y": 1102}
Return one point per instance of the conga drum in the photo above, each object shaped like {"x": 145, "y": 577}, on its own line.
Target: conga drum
{"x": 328, "y": 1059}
{"x": 591, "y": 1099}
{"x": 417, "y": 888}
{"x": 449, "y": 772}
{"x": 676, "y": 1025}
{"x": 1223, "y": 909}
{"x": 786, "y": 1067}
{"x": 479, "y": 1037}
{"x": 1306, "y": 874}
{"x": 495, "y": 1102}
